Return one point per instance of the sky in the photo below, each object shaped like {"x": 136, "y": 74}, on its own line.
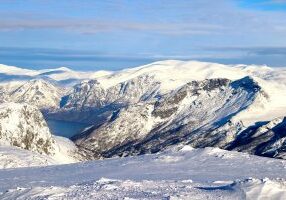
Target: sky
{"x": 111, "y": 35}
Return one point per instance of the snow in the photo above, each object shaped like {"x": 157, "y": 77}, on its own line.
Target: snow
{"x": 13, "y": 157}
{"x": 173, "y": 74}
{"x": 37, "y": 92}
{"x": 58, "y": 74}
{"x": 189, "y": 174}
{"x": 23, "y": 125}
{"x": 184, "y": 173}
{"x": 65, "y": 151}
{"x": 15, "y": 70}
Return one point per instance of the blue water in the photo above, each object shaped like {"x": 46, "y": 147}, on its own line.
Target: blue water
{"x": 65, "y": 129}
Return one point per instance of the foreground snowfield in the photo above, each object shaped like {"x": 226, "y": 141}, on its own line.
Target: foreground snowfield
{"x": 186, "y": 173}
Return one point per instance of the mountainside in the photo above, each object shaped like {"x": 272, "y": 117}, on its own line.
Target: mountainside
{"x": 23, "y": 126}
{"x": 186, "y": 115}
{"x": 156, "y": 115}
{"x": 266, "y": 139}
{"x": 39, "y": 93}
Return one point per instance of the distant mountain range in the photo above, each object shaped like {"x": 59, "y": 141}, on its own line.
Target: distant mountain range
{"x": 156, "y": 106}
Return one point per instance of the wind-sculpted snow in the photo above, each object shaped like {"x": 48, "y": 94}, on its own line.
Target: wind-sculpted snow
{"x": 180, "y": 173}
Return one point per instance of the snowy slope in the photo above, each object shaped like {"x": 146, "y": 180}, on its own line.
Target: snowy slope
{"x": 267, "y": 139}
{"x": 160, "y": 78}
{"x": 157, "y": 108}
{"x": 14, "y": 157}
{"x": 176, "y": 174}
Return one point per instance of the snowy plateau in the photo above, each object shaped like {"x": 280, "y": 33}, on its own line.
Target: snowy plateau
{"x": 167, "y": 130}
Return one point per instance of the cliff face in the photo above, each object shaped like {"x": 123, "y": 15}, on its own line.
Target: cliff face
{"x": 23, "y": 126}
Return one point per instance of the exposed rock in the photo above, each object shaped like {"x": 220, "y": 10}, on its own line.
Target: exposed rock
{"x": 24, "y": 126}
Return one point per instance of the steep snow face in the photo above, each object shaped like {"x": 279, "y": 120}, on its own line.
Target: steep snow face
{"x": 23, "y": 126}
{"x": 90, "y": 103}
{"x": 183, "y": 173}
{"x": 187, "y": 114}
{"x": 38, "y": 92}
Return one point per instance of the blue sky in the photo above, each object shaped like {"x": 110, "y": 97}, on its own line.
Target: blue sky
{"x": 91, "y": 35}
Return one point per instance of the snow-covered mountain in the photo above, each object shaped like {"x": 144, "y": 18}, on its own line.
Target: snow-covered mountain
{"x": 202, "y": 104}
{"x": 186, "y": 115}
{"x": 152, "y": 107}
{"x": 37, "y": 92}
{"x": 62, "y": 75}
